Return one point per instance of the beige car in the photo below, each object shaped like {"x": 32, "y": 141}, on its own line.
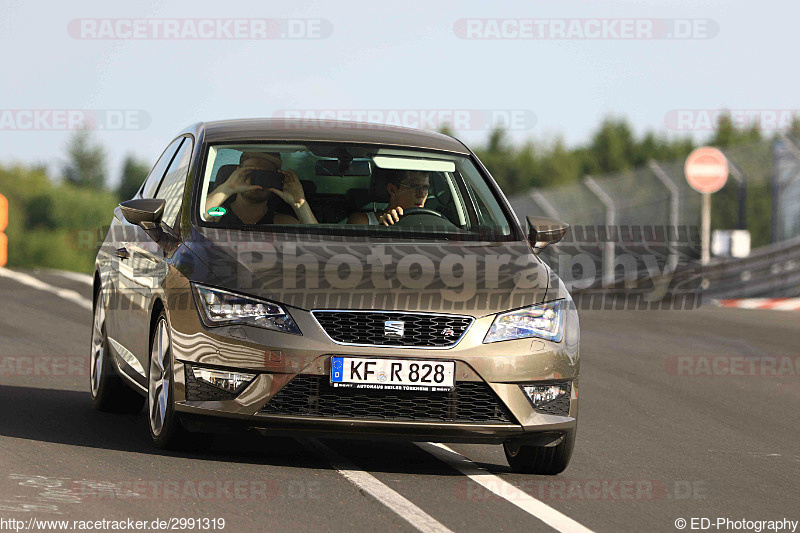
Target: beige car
{"x": 335, "y": 279}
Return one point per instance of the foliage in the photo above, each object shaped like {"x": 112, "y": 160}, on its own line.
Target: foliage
{"x": 134, "y": 171}
{"x": 85, "y": 166}
{"x": 52, "y": 225}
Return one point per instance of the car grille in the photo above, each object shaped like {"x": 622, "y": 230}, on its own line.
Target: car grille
{"x": 201, "y": 391}
{"x": 366, "y": 328}
{"x": 314, "y": 396}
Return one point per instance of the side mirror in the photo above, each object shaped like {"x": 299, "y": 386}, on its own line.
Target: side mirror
{"x": 145, "y": 213}
{"x": 545, "y": 231}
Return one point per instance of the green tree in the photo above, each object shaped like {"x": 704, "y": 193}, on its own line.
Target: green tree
{"x": 794, "y": 130}
{"x": 727, "y": 134}
{"x": 560, "y": 165}
{"x": 86, "y": 161}
{"x": 498, "y": 158}
{"x": 613, "y": 146}
{"x": 134, "y": 171}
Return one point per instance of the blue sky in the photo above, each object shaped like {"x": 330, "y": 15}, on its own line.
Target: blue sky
{"x": 395, "y": 56}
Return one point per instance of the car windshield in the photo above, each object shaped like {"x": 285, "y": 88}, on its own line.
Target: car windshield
{"x": 363, "y": 188}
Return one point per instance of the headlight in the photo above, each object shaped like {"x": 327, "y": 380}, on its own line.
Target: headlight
{"x": 223, "y": 308}
{"x": 545, "y": 321}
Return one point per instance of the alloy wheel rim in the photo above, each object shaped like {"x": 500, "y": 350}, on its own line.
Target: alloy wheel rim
{"x": 98, "y": 348}
{"x": 159, "y": 382}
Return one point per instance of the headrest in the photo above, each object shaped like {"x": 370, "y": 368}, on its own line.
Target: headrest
{"x": 358, "y": 198}
{"x": 377, "y": 186}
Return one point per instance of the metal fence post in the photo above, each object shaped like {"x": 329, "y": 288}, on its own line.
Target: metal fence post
{"x": 611, "y": 220}
{"x": 545, "y": 204}
{"x": 674, "y": 213}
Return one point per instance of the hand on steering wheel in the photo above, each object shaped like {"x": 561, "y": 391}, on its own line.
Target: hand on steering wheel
{"x": 390, "y": 217}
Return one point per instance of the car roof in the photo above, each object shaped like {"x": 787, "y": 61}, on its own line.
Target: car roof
{"x": 289, "y": 129}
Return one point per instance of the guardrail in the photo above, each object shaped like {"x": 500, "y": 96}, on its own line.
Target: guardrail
{"x": 771, "y": 271}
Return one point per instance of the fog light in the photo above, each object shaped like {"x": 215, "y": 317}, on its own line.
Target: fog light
{"x": 228, "y": 381}
{"x": 543, "y": 394}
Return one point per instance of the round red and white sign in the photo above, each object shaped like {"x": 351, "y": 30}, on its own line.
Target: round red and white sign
{"x": 706, "y": 170}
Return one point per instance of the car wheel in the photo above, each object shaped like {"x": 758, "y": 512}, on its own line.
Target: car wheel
{"x": 109, "y": 392}
{"x": 166, "y": 429}
{"x": 542, "y": 460}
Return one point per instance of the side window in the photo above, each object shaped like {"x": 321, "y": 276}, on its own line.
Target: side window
{"x": 171, "y": 188}
{"x": 154, "y": 178}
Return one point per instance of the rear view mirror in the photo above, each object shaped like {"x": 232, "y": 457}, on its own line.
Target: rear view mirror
{"x": 545, "y": 231}
{"x": 145, "y": 213}
{"x": 337, "y": 167}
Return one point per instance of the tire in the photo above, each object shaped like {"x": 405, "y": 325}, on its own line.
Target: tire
{"x": 164, "y": 422}
{"x": 109, "y": 393}
{"x": 542, "y": 460}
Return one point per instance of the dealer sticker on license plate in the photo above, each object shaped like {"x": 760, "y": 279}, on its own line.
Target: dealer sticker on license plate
{"x": 392, "y": 374}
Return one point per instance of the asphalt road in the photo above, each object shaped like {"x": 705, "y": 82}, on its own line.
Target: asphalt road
{"x": 661, "y": 437}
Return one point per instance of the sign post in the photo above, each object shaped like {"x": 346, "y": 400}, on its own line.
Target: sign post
{"x": 3, "y": 226}
{"x": 706, "y": 172}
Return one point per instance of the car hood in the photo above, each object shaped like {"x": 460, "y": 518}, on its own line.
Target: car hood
{"x": 334, "y": 272}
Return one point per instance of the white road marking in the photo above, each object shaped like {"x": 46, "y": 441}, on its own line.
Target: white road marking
{"x": 74, "y": 276}
{"x": 30, "y": 281}
{"x": 375, "y": 488}
{"x": 504, "y": 489}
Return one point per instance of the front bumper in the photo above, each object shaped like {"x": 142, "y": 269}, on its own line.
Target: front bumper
{"x": 278, "y": 358}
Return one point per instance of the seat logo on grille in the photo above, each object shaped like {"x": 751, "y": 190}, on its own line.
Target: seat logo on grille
{"x": 394, "y": 328}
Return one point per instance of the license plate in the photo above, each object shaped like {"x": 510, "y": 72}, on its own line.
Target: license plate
{"x": 393, "y": 374}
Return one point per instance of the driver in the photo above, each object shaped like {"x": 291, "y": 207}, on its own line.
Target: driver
{"x": 406, "y": 188}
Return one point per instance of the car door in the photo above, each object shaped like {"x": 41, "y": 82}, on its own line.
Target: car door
{"x": 135, "y": 260}
{"x": 150, "y": 258}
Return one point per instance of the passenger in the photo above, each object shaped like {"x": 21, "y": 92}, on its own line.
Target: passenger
{"x": 247, "y": 204}
{"x": 406, "y": 188}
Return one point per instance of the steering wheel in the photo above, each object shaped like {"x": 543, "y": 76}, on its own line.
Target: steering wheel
{"x": 421, "y": 211}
